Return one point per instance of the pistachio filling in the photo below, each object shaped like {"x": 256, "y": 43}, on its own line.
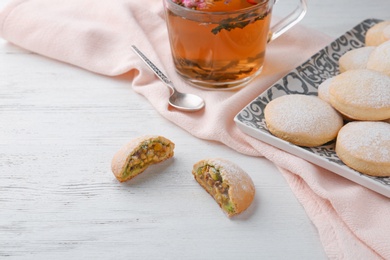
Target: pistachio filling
{"x": 150, "y": 152}
{"x": 212, "y": 180}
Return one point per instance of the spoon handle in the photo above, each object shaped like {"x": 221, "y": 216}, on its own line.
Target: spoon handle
{"x": 153, "y": 67}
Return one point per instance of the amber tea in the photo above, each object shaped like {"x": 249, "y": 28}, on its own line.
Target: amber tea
{"x": 222, "y": 43}
{"x": 222, "y": 50}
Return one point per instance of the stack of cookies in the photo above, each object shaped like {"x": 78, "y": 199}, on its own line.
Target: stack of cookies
{"x": 353, "y": 107}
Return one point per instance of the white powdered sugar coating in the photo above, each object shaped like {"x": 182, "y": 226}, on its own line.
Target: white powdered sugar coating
{"x": 356, "y": 58}
{"x": 386, "y": 32}
{"x": 379, "y": 59}
{"x": 362, "y": 88}
{"x": 323, "y": 90}
{"x": 237, "y": 176}
{"x": 367, "y": 140}
{"x": 303, "y": 114}
{"x": 376, "y": 34}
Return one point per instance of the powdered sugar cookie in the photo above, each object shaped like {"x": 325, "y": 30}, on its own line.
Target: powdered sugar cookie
{"x": 229, "y": 185}
{"x": 386, "y": 33}
{"x": 379, "y": 59}
{"x": 355, "y": 59}
{"x": 302, "y": 120}
{"x": 375, "y": 35}
{"x": 361, "y": 94}
{"x": 323, "y": 93}
{"x": 323, "y": 90}
{"x": 365, "y": 147}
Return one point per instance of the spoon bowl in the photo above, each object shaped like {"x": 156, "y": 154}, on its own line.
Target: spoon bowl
{"x": 186, "y": 102}
{"x": 181, "y": 101}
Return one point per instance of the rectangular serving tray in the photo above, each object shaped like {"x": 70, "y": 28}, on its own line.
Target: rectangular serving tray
{"x": 305, "y": 79}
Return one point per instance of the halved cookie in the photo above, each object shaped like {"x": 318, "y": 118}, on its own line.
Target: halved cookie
{"x": 229, "y": 185}
{"x": 134, "y": 157}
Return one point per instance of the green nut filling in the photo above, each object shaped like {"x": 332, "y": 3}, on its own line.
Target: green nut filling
{"x": 229, "y": 207}
{"x": 144, "y": 158}
{"x": 221, "y": 196}
{"x": 130, "y": 171}
{"x": 214, "y": 173}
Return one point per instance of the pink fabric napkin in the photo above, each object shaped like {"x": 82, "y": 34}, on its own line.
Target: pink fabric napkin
{"x": 352, "y": 221}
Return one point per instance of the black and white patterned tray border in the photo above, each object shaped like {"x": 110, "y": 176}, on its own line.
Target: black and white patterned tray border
{"x": 305, "y": 79}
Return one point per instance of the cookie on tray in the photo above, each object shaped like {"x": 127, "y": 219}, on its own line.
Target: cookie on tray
{"x": 323, "y": 90}
{"x": 302, "y": 120}
{"x": 355, "y": 59}
{"x": 365, "y": 147}
{"x": 379, "y": 59}
{"x": 378, "y": 34}
{"x": 361, "y": 94}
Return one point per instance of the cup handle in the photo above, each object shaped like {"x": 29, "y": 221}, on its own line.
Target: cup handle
{"x": 289, "y": 21}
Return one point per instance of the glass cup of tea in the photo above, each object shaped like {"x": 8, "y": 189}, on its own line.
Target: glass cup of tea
{"x": 220, "y": 44}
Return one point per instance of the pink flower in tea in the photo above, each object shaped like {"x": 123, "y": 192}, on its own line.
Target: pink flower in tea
{"x": 202, "y": 4}
{"x": 197, "y": 4}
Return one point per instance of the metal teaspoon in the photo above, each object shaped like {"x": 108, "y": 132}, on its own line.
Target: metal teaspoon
{"x": 182, "y": 101}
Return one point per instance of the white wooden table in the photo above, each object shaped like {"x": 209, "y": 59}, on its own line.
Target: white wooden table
{"x": 59, "y": 128}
